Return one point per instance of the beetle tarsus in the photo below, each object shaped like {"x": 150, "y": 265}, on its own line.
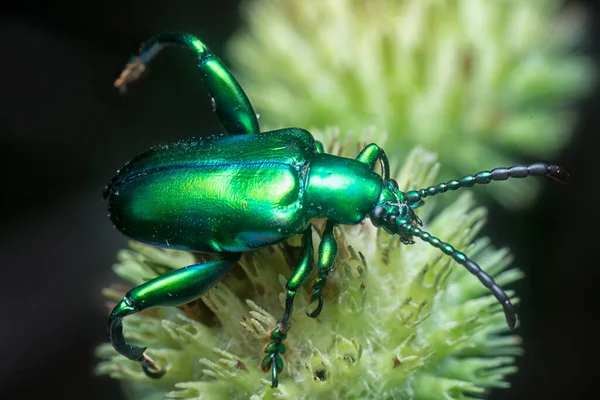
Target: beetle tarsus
{"x": 274, "y": 372}
{"x": 317, "y": 311}
{"x": 150, "y": 368}
{"x": 274, "y": 349}
{"x": 132, "y": 72}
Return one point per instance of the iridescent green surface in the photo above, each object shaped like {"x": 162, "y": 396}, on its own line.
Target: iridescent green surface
{"x": 171, "y": 289}
{"x": 218, "y": 193}
{"x": 237, "y": 192}
{"x": 229, "y": 99}
{"x": 334, "y": 178}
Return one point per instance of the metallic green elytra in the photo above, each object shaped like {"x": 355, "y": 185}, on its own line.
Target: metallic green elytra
{"x": 181, "y": 185}
{"x": 244, "y": 190}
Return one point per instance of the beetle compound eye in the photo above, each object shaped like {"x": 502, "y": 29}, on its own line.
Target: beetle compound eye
{"x": 390, "y": 218}
{"x": 378, "y": 215}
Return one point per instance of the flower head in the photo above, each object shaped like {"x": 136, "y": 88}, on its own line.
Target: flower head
{"x": 399, "y": 322}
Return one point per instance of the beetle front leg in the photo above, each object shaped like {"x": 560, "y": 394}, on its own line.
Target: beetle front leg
{"x": 373, "y": 153}
{"x": 328, "y": 250}
{"x": 276, "y": 347}
{"x": 171, "y": 289}
{"x": 319, "y": 146}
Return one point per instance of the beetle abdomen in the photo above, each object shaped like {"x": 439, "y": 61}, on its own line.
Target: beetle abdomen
{"x": 215, "y": 194}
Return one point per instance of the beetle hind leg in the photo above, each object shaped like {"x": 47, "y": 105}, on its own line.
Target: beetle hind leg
{"x": 171, "y": 289}
{"x": 230, "y": 102}
{"x": 275, "y": 348}
{"x": 134, "y": 353}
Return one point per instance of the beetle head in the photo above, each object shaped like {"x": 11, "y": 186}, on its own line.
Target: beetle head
{"x": 393, "y": 210}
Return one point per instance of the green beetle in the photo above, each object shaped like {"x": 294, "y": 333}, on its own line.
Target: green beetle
{"x": 244, "y": 190}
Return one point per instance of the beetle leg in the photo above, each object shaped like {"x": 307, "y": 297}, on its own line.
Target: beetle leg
{"x": 229, "y": 99}
{"x": 327, "y": 253}
{"x": 370, "y": 154}
{"x": 373, "y": 153}
{"x": 320, "y": 148}
{"x": 276, "y": 347}
{"x": 171, "y": 289}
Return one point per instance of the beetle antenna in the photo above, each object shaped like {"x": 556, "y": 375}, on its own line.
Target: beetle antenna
{"x": 509, "y": 311}
{"x": 484, "y": 177}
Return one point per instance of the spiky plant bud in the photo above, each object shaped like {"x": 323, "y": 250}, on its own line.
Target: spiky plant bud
{"x": 400, "y": 321}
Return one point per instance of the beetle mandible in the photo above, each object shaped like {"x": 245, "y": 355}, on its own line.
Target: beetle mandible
{"x": 244, "y": 190}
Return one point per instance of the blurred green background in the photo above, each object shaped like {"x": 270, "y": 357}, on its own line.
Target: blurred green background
{"x": 64, "y": 130}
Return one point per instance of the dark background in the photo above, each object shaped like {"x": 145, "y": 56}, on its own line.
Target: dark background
{"x": 64, "y": 130}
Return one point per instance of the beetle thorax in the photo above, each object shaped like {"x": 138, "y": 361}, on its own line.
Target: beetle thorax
{"x": 342, "y": 189}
